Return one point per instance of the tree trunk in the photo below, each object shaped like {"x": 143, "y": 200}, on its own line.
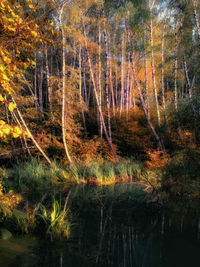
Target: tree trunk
{"x": 111, "y": 80}
{"x": 128, "y": 87}
{"x": 26, "y": 148}
{"x": 49, "y": 88}
{"x": 80, "y": 90}
{"x": 144, "y": 105}
{"x": 146, "y": 75}
{"x": 30, "y": 134}
{"x": 84, "y": 84}
{"x": 96, "y": 96}
{"x": 107, "y": 83}
{"x": 153, "y": 67}
{"x": 40, "y": 88}
{"x": 196, "y": 18}
{"x": 128, "y": 75}
{"x": 64, "y": 96}
{"x": 187, "y": 77}
{"x": 99, "y": 81}
{"x": 116, "y": 87}
{"x": 175, "y": 70}
{"x": 35, "y": 84}
{"x": 122, "y": 75}
{"x": 175, "y": 82}
{"x": 162, "y": 76}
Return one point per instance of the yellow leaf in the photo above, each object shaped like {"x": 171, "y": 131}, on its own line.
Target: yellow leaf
{"x": 34, "y": 33}
{"x": 17, "y": 130}
{"x": 1, "y": 98}
{"x": 31, "y": 6}
{"x": 2, "y": 122}
{"x": 10, "y": 28}
{"x": 11, "y": 107}
{"x": 15, "y": 135}
{"x": 1, "y": 134}
{"x": 6, "y": 130}
{"x": 5, "y": 77}
{"x": 27, "y": 135}
{"x": 2, "y": 68}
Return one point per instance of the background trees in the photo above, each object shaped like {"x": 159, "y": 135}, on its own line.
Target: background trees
{"x": 80, "y": 70}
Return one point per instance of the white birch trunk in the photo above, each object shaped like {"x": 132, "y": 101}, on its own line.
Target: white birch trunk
{"x": 107, "y": 84}
{"x": 64, "y": 97}
{"x": 194, "y": 2}
{"x": 153, "y": 65}
{"x": 49, "y": 88}
{"x": 175, "y": 70}
{"x": 96, "y": 96}
{"x": 122, "y": 76}
{"x": 163, "y": 75}
{"x": 144, "y": 104}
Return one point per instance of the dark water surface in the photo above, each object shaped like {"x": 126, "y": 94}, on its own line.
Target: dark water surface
{"x": 115, "y": 234}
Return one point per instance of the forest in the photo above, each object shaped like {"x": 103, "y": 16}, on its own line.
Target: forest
{"x": 96, "y": 94}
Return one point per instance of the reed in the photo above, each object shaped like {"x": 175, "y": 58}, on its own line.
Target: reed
{"x": 56, "y": 220}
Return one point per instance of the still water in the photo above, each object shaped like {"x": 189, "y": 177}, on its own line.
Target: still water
{"x": 115, "y": 234}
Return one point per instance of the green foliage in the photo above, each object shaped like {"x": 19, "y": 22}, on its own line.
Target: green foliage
{"x": 106, "y": 172}
{"x": 25, "y": 221}
{"x": 34, "y": 178}
{"x": 56, "y": 220}
{"x": 94, "y": 170}
{"x": 181, "y": 176}
{"x": 183, "y": 126}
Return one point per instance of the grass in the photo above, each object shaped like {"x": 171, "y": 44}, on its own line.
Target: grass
{"x": 106, "y": 173}
{"x": 56, "y": 220}
{"x": 26, "y": 190}
{"x": 89, "y": 184}
{"x": 34, "y": 178}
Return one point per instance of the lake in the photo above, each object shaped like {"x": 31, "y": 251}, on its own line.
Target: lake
{"x": 115, "y": 232}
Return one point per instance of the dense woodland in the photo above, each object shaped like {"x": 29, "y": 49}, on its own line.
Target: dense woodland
{"x": 101, "y": 82}
{"x": 117, "y": 77}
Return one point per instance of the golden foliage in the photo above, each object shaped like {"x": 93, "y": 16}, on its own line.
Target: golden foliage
{"x": 10, "y": 199}
{"x": 157, "y": 159}
{"x": 8, "y": 131}
{"x": 95, "y": 149}
{"x": 131, "y": 134}
{"x": 11, "y": 107}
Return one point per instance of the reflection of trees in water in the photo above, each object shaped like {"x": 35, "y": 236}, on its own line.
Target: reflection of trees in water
{"x": 147, "y": 242}
{"x": 109, "y": 236}
{"x": 124, "y": 244}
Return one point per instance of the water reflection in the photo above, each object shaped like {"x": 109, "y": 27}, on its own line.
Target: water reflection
{"x": 115, "y": 235}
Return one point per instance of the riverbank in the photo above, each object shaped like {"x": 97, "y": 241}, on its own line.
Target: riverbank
{"x": 36, "y": 198}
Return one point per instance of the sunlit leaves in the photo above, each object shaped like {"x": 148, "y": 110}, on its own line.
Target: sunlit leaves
{"x": 30, "y": 5}
{"x": 16, "y": 132}
{"x": 8, "y": 200}
{"x": 7, "y": 131}
{"x": 20, "y": 35}
{"x": 1, "y": 98}
{"x": 11, "y": 107}
{"x": 34, "y": 33}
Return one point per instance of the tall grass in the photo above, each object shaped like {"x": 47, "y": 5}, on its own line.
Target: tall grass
{"x": 56, "y": 220}
{"x": 36, "y": 176}
{"x": 125, "y": 170}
